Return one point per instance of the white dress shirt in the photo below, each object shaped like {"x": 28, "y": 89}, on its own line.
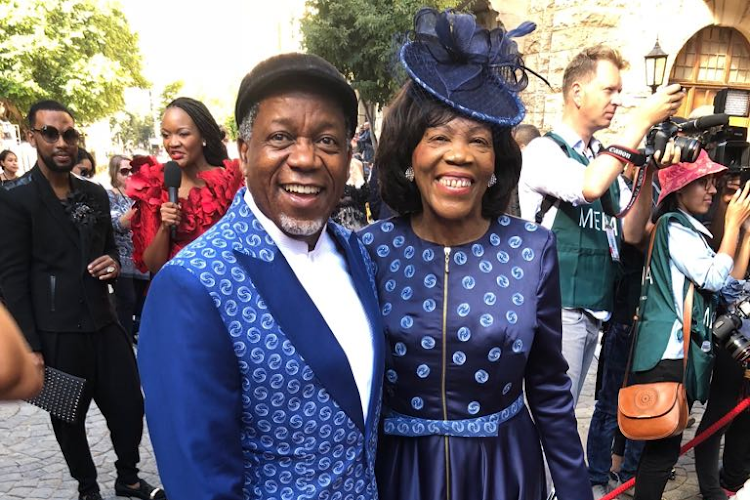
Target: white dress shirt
{"x": 548, "y": 170}
{"x": 324, "y": 275}
{"x": 690, "y": 255}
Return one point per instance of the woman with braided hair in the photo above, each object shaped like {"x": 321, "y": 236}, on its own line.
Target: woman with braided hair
{"x": 209, "y": 181}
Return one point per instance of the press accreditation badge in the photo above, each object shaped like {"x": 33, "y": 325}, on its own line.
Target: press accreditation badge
{"x": 612, "y": 242}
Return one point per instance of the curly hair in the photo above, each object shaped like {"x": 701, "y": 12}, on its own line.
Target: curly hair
{"x": 215, "y": 151}
{"x": 410, "y": 114}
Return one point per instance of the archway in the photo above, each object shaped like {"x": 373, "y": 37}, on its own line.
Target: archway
{"x": 714, "y": 58}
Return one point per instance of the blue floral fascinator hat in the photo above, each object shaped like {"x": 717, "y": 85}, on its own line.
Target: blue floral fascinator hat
{"x": 475, "y": 71}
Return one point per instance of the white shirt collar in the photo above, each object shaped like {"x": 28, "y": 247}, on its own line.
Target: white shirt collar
{"x": 696, "y": 224}
{"x": 320, "y": 271}
{"x": 575, "y": 141}
{"x": 286, "y": 243}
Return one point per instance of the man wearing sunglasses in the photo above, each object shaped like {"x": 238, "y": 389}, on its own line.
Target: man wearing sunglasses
{"x": 56, "y": 261}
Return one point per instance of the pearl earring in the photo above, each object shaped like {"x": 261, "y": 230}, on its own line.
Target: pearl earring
{"x": 492, "y": 181}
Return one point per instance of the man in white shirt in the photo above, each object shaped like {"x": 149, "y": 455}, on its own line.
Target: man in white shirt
{"x": 261, "y": 348}
{"x": 566, "y": 185}
{"x": 585, "y": 190}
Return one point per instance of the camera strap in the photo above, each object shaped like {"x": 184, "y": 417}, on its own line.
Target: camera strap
{"x": 638, "y": 180}
{"x": 638, "y": 160}
{"x": 626, "y": 155}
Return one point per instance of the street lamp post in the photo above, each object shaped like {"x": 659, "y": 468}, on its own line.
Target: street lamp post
{"x": 656, "y": 64}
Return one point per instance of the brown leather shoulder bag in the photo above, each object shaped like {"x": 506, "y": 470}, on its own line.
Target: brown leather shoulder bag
{"x": 657, "y": 410}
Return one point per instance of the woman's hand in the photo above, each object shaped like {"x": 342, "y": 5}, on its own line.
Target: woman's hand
{"x": 171, "y": 214}
{"x": 738, "y": 209}
{"x": 729, "y": 186}
{"x": 126, "y": 217}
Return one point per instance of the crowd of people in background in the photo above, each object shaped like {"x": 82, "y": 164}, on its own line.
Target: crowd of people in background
{"x": 474, "y": 267}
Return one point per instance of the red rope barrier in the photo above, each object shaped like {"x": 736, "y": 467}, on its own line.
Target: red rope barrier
{"x": 741, "y": 406}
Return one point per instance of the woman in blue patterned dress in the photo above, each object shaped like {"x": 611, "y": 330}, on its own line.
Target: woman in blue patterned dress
{"x": 130, "y": 287}
{"x": 470, "y": 297}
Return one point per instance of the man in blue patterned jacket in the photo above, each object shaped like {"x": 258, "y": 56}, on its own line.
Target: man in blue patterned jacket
{"x": 261, "y": 347}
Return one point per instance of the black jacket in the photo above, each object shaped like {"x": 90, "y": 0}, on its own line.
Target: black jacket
{"x": 44, "y": 257}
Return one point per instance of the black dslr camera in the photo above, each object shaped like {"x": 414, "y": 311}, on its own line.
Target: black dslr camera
{"x": 727, "y": 331}
{"x": 659, "y": 135}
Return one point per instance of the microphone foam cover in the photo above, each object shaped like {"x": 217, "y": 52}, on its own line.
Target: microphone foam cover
{"x": 172, "y": 174}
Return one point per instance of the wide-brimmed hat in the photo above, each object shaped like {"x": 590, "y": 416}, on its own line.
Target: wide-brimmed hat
{"x": 679, "y": 175}
{"x": 474, "y": 71}
{"x": 286, "y": 71}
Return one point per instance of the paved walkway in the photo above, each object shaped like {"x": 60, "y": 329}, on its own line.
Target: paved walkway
{"x": 32, "y": 467}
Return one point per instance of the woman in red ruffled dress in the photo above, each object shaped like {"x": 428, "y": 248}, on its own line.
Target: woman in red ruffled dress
{"x": 209, "y": 182}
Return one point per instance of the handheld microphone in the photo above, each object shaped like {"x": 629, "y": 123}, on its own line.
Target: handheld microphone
{"x": 704, "y": 122}
{"x": 172, "y": 181}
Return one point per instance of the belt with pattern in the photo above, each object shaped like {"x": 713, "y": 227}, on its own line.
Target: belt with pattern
{"x": 396, "y": 424}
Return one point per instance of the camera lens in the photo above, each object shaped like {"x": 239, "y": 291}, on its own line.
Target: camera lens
{"x": 690, "y": 148}
{"x": 738, "y": 347}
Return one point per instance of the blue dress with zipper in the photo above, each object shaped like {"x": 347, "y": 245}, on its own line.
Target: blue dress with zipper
{"x": 467, "y": 328}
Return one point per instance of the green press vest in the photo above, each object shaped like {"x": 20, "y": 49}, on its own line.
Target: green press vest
{"x": 587, "y": 271}
{"x": 657, "y": 316}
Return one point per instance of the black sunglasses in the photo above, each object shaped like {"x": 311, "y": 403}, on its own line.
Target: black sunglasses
{"x": 126, "y": 171}
{"x": 51, "y": 135}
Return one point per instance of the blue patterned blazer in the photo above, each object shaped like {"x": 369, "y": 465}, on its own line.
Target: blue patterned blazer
{"x": 248, "y": 393}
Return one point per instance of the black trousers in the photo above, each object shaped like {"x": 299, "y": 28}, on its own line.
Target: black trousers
{"x": 659, "y": 456}
{"x": 105, "y": 359}
{"x": 727, "y": 387}
{"x": 129, "y": 298}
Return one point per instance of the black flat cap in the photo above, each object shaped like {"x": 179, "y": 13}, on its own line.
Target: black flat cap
{"x": 287, "y": 71}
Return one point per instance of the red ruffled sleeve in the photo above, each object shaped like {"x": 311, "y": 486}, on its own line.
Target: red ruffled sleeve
{"x": 146, "y": 189}
{"x": 200, "y": 210}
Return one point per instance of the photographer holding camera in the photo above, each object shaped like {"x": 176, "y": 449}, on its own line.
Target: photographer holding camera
{"x": 568, "y": 186}
{"x": 681, "y": 255}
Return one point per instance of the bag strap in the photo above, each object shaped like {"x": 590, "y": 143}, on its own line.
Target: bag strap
{"x": 687, "y": 315}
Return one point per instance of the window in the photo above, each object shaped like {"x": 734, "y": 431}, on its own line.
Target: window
{"x": 712, "y": 59}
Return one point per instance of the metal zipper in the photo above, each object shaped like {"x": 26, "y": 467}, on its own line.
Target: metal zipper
{"x": 447, "y": 251}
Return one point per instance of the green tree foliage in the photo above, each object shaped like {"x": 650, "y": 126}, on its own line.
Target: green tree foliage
{"x": 80, "y": 52}
{"x": 361, "y": 38}
{"x": 170, "y": 93}
{"x": 134, "y": 132}
{"x": 231, "y": 126}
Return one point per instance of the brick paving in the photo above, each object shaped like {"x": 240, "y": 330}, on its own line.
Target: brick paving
{"x": 32, "y": 467}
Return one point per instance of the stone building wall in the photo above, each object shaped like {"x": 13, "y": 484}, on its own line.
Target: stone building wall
{"x": 567, "y": 26}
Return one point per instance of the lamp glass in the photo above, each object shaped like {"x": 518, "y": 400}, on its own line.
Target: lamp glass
{"x": 650, "y": 63}
{"x": 660, "y": 65}
{"x": 656, "y": 64}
